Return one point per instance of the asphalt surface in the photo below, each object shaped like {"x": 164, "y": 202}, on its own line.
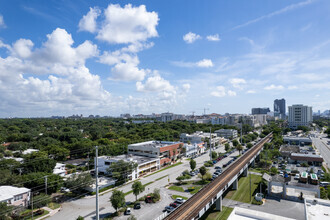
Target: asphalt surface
{"x": 323, "y": 147}
{"x": 85, "y": 207}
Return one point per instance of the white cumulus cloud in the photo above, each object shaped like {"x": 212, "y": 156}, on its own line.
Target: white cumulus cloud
{"x": 219, "y": 92}
{"x": 88, "y": 21}
{"x": 237, "y": 82}
{"x": 274, "y": 87}
{"x": 154, "y": 84}
{"x": 213, "y": 37}
{"x": 191, "y": 37}
{"x": 22, "y": 48}
{"x": 128, "y": 24}
{"x": 204, "y": 63}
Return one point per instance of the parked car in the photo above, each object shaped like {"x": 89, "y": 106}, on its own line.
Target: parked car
{"x": 137, "y": 206}
{"x": 148, "y": 199}
{"x": 127, "y": 211}
{"x": 174, "y": 205}
{"x": 297, "y": 176}
{"x": 179, "y": 200}
{"x": 217, "y": 168}
{"x": 65, "y": 190}
{"x": 169, "y": 209}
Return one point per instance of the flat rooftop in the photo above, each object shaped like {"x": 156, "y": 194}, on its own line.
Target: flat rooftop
{"x": 245, "y": 214}
{"x": 317, "y": 209}
{"x": 129, "y": 157}
{"x": 154, "y": 144}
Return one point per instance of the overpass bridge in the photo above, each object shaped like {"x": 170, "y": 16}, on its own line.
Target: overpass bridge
{"x": 198, "y": 204}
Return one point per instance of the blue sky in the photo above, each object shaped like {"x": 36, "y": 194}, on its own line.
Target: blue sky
{"x": 112, "y": 57}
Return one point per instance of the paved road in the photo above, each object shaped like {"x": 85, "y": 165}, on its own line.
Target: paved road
{"x": 86, "y": 206}
{"x": 323, "y": 148}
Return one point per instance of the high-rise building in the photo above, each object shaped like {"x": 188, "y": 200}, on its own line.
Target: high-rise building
{"x": 279, "y": 108}
{"x": 260, "y": 111}
{"x": 300, "y": 115}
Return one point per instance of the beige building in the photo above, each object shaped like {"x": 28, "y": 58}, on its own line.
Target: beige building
{"x": 16, "y": 196}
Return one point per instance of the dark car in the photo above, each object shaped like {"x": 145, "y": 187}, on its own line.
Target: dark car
{"x": 174, "y": 205}
{"x": 217, "y": 168}
{"x": 169, "y": 209}
{"x": 148, "y": 199}
{"x": 137, "y": 206}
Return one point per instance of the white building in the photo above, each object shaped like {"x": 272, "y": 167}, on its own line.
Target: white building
{"x": 300, "y": 115}
{"x": 145, "y": 164}
{"x": 15, "y": 196}
{"x": 59, "y": 169}
{"x": 194, "y": 149}
{"x": 317, "y": 209}
{"x": 192, "y": 138}
{"x": 227, "y": 133}
{"x": 261, "y": 119}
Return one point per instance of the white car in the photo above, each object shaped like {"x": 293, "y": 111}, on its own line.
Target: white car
{"x": 179, "y": 200}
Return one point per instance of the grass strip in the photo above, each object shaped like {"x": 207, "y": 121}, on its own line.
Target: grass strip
{"x": 176, "y": 188}
{"x": 242, "y": 194}
{"x": 173, "y": 165}
{"x": 178, "y": 196}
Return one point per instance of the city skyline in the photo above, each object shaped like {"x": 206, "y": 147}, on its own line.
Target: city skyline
{"x": 143, "y": 57}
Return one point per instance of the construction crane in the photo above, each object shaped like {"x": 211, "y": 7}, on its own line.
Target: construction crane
{"x": 204, "y": 109}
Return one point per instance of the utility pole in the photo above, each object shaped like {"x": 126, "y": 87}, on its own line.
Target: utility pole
{"x": 32, "y": 204}
{"x": 96, "y": 183}
{"x": 210, "y": 144}
{"x": 241, "y": 132}
{"x": 46, "y": 185}
{"x": 250, "y": 186}
{"x": 88, "y": 160}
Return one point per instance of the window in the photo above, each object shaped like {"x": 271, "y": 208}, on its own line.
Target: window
{"x": 107, "y": 163}
{"x": 19, "y": 197}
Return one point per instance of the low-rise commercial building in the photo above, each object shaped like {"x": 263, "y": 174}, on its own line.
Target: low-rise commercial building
{"x": 16, "y": 196}
{"x": 166, "y": 151}
{"x": 297, "y": 140}
{"x": 227, "y": 133}
{"x": 312, "y": 159}
{"x": 144, "y": 164}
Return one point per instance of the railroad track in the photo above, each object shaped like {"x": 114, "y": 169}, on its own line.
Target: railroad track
{"x": 191, "y": 208}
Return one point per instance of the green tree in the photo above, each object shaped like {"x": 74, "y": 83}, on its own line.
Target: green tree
{"x": 156, "y": 194}
{"x": 5, "y": 211}
{"x": 214, "y": 155}
{"x": 80, "y": 218}
{"x": 202, "y": 171}
{"x": 79, "y": 181}
{"x": 121, "y": 169}
{"x": 273, "y": 170}
{"x": 239, "y": 147}
{"x": 249, "y": 145}
{"x": 227, "y": 147}
{"x": 192, "y": 164}
{"x": 40, "y": 200}
{"x": 38, "y": 162}
{"x": 235, "y": 143}
{"x": 323, "y": 193}
{"x": 137, "y": 188}
{"x": 117, "y": 199}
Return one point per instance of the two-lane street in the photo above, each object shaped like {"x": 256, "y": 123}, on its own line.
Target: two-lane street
{"x": 86, "y": 206}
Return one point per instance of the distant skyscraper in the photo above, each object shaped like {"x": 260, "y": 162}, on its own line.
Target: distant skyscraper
{"x": 300, "y": 115}
{"x": 279, "y": 108}
{"x": 260, "y": 111}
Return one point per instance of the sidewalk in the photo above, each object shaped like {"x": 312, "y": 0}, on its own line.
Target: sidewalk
{"x": 51, "y": 212}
